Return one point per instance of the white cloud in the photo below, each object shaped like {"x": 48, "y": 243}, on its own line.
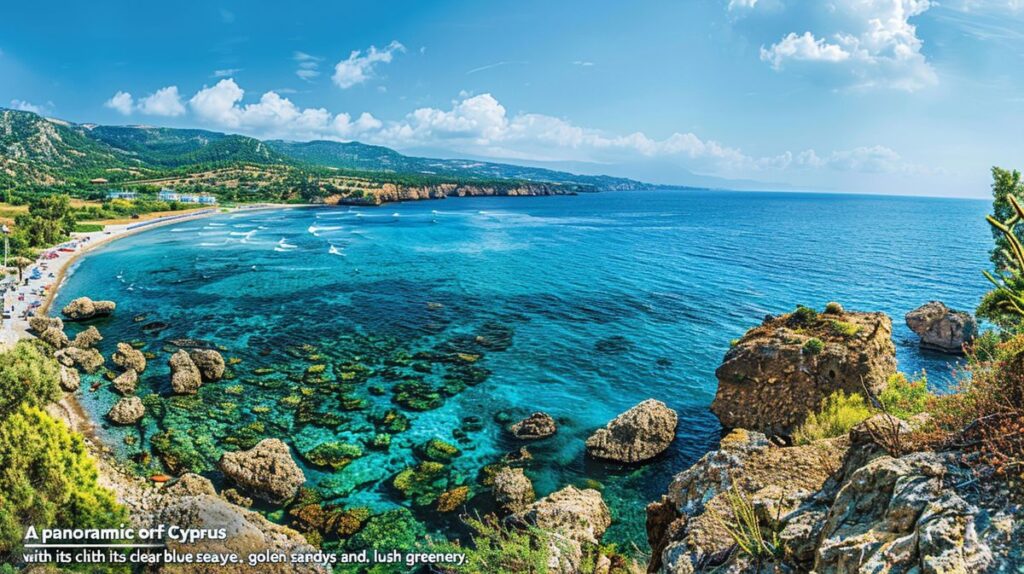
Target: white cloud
{"x": 359, "y": 68}
{"x": 309, "y": 66}
{"x": 856, "y": 43}
{"x": 163, "y": 102}
{"x": 30, "y": 107}
{"x": 122, "y": 102}
{"x": 804, "y": 47}
{"x": 481, "y": 125}
{"x": 225, "y": 73}
{"x": 583, "y": 63}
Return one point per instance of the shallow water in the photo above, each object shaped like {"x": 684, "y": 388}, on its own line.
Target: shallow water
{"x": 586, "y": 305}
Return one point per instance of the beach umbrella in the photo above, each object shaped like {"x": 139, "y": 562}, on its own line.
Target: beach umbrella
{"x": 21, "y": 263}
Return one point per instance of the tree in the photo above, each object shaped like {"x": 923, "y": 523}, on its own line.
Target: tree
{"x": 1004, "y": 184}
{"x": 27, "y": 376}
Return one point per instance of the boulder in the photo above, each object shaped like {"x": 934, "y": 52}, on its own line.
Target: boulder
{"x": 941, "y": 328}
{"x": 128, "y": 357}
{"x": 84, "y": 308}
{"x": 639, "y": 434}
{"x": 247, "y": 534}
{"x": 69, "y": 379}
{"x": 573, "y": 518}
{"x": 685, "y": 527}
{"x": 185, "y": 376}
{"x": 535, "y": 426}
{"x": 901, "y": 515}
{"x": 191, "y": 484}
{"x": 54, "y": 337}
{"x": 41, "y": 323}
{"x": 88, "y": 360}
{"x": 512, "y": 490}
{"x": 209, "y": 362}
{"x": 127, "y": 411}
{"x": 267, "y": 471}
{"x": 126, "y": 382}
{"x": 779, "y": 372}
{"x": 87, "y": 339}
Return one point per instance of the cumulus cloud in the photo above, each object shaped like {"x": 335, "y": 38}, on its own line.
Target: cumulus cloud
{"x": 481, "y": 125}
{"x": 859, "y": 43}
{"x": 122, "y": 102}
{"x": 163, "y": 102}
{"x": 359, "y": 68}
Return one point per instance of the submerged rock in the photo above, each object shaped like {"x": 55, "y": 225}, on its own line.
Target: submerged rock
{"x": 128, "y": 357}
{"x": 84, "y": 308}
{"x": 639, "y": 434}
{"x": 536, "y": 426}
{"x": 126, "y": 382}
{"x": 266, "y": 470}
{"x": 70, "y": 381}
{"x": 334, "y": 455}
{"x": 575, "y": 518}
{"x": 782, "y": 370}
{"x": 512, "y": 490}
{"x": 210, "y": 363}
{"x": 127, "y": 411}
{"x": 941, "y": 328}
{"x": 185, "y": 376}
{"x": 87, "y": 339}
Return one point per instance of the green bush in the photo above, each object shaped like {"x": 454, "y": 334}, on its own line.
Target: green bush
{"x": 813, "y": 346}
{"x": 27, "y": 376}
{"x": 500, "y": 549}
{"x": 839, "y": 413}
{"x": 48, "y": 480}
{"x": 833, "y": 308}
{"x": 88, "y": 227}
{"x": 804, "y": 316}
{"x": 843, "y": 328}
{"x": 905, "y": 399}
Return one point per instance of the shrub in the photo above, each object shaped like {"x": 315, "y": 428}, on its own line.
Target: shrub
{"x": 813, "y": 346}
{"x": 745, "y": 528}
{"x": 48, "y": 480}
{"x": 839, "y": 413}
{"x": 88, "y": 227}
{"x": 833, "y": 308}
{"x": 803, "y": 316}
{"x": 499, "y": 548}
{"x": 27, "y": 376}
{"x": 904, "y": 399}
{"x": 843, "y": 328}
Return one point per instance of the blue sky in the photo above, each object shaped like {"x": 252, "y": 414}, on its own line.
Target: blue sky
{"x": 879, "y": 96}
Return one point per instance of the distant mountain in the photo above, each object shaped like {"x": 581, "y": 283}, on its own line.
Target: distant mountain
{"x": 41, "y": 152}
{"x": 363, "y": 157}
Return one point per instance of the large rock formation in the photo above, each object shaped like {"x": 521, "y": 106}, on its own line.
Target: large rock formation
{"x": 209, "y": 362}
{"x": 185, "y": 376}
{"x": 266, "y": 471}
{"x": 50, "y": 330}
{"x": 573, "y": 519}
{"x": 84, "y": 308}
{"x": 941, "y": 328}
{"x": 641, "y": 433}
{"x": 779, "y": 372}
{"x": 536, "y": 426}
{"x": 88, "y": 360}
{"x": 69, "y": 379}
{"x": 513, "y": 491}
{"x": 87, "y": 339}
{"x": 841, "y": 505}
{"x": 126, "y": 382}
{"x": 127, "y": 411}
{"x": 128, "y": 357}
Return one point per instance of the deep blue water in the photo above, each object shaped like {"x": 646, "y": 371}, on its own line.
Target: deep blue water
{"x": 610, "y": 298}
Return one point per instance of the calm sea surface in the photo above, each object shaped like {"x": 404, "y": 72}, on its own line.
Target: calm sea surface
{"x": 577, "y": 306}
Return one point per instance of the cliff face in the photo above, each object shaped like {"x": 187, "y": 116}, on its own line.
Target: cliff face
{"x": 390, "y": 192}
{"x": 779, "y": 372}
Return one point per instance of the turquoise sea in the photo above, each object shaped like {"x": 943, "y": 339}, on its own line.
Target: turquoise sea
{"x": 484, "y": 309}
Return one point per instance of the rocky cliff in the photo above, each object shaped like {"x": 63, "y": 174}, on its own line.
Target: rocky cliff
{"x": 780, "y": 371}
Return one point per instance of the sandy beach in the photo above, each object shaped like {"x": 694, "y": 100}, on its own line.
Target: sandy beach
{"x": 41, "y": 280}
